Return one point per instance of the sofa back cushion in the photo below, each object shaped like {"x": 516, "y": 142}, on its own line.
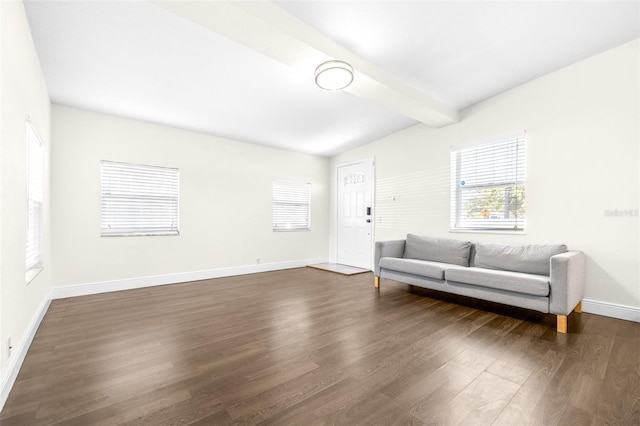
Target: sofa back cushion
{"x": 531, "y": 259}
{"x": 437, "y": 250}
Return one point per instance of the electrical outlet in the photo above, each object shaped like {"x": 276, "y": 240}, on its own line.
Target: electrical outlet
{"x": 258, "y": 260}
{"x": 9, "y": 347}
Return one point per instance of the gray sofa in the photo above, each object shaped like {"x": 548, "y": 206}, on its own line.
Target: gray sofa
{"x": 545, "y": 278}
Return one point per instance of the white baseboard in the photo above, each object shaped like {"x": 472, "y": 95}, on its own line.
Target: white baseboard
{"x": 74, "y": 290}
{"x": 19, "y": 352}
{"x": 629, "y": 313}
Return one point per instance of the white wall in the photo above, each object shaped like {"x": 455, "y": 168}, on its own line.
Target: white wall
{"x": 23, "y": 93}
{"x": 583, "y": 127}
{"x": 225, "y": 201}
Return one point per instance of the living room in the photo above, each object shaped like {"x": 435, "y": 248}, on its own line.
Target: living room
{"x": 583, "y": 188}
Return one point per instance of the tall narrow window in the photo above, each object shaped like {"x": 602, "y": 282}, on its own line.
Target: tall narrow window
{"x": 139, "y": 199}
{"x": 291, "y": 206}
{"x": 488, "y": 186}
{"x": 35, "y": 184}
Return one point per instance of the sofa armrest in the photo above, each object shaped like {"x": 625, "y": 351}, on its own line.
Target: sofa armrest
{"x": 394, "y": 248}
{"x": 567, "y": 282}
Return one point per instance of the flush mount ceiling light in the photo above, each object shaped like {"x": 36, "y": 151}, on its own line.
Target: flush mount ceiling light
{"x": 334, "y": 75}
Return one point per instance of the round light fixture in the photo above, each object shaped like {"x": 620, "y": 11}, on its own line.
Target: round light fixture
{"x": 334, "y": 75}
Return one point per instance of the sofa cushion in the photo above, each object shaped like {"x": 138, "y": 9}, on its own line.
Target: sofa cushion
{"x": 518, "y": 282}
{"x": 442, "y": 250}
{"x": 532, "y": 259}
{"x": 423, "y": 268}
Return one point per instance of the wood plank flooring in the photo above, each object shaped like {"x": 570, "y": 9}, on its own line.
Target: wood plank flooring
{"x": 308, "y": 347}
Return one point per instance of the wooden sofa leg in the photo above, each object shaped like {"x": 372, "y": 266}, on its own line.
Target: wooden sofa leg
{"x": 562, "y": 319}
{"x": 376, "y": 282}
{"x": 562, "y": 324}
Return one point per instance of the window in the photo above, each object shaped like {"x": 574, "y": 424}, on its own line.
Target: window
{"x": 291, "y": 206}
{"x": 488, "y": 186}
{"x": 35, "y": 184}
{"x": 139, "y": 199}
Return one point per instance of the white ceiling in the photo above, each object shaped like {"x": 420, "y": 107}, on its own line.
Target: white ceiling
{"x": 244, "y": 70}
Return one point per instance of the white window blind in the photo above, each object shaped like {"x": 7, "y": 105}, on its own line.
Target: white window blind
{"x": 35, "y": 184}
{"x": 488, "y": 186}
{"x": 291, "y": 206}
{"x": 139, "y": 199}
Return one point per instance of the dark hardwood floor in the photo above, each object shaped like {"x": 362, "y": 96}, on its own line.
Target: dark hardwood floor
{"x": 308, "y": 347}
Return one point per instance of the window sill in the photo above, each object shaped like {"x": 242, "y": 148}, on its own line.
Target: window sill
{"x": 486, "y": 231}
{"x": 142, "y": 234}
{"x": 32, "y": 273}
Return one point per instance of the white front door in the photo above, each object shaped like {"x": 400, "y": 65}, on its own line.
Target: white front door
{"x": 355, "y": 215}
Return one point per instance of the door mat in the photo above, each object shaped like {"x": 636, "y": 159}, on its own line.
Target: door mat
{"x": 339, "y": 269}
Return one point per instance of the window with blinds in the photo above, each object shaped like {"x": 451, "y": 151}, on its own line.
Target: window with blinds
{"x": 35, "y": 184}
{"x": 139, "y": 199}
{"x": 291, "y": 206}
{"x": 488, "y": 186}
